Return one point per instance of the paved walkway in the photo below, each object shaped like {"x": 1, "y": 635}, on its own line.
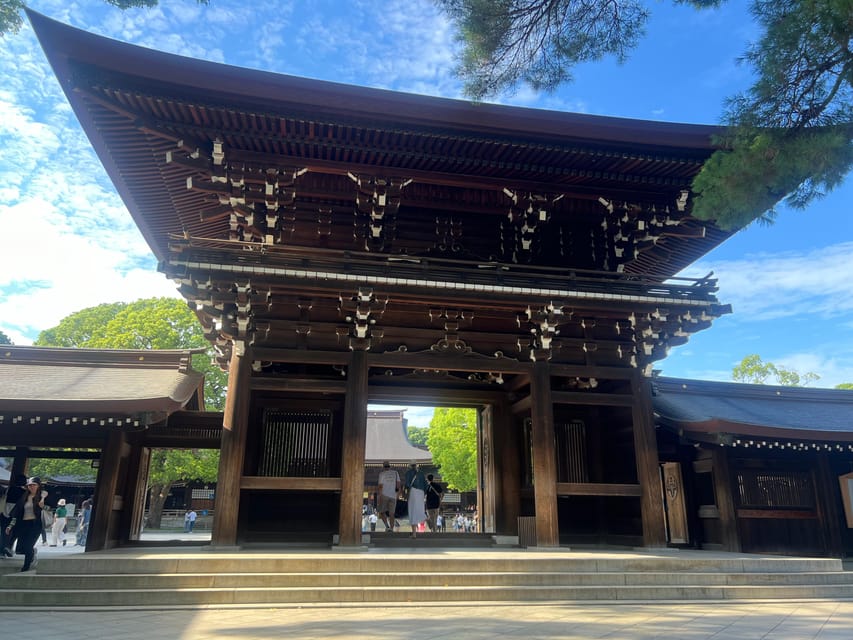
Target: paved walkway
{"x": 776, "y": 620}
{"x": 823, "y": 620}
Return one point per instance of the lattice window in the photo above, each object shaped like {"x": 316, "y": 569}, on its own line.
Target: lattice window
{"x": 775, "y": 489}
{"x": 295, "y": 444}
{"x": 571, "y": 451}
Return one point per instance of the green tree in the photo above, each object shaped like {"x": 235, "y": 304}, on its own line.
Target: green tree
{"x": 4, "y": 339}
{"x": 153, "y": 323}
{"x": 452, "y": 441}
{"x": 844, "y": 385}
{"x": 58, "y": 467}
{"x": 789, "y": 137}
{"x": 418, "y": 435}
{"x": 170, "y": 465}
{"x": 754, "y": 370}
{"x": 11, "y": 19}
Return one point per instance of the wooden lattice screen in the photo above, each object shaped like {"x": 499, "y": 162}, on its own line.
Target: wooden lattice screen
{"x": 775, "y": 489}
{"x": 295, "y": 444}
{"x": 571, "y": 451}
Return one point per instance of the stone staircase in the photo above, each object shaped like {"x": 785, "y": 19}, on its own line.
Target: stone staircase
{"x": 164, "y": 578}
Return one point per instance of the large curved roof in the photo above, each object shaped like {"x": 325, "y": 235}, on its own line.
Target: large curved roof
{"x": 140, "y": 106}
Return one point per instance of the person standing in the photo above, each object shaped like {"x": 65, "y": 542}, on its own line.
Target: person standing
{"x": 83, "y": 522}
{"x": 416, "y": 486}
{"x": 60, "y": 519}
{"x": 389, "y": 489}
{"x": 433, "y": 502}
{"x": 26, "y": 522}
{"x": 372, "y": 519}
{"x": 189, "y": 521}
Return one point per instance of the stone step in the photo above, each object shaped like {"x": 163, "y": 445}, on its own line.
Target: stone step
{"x": 414, "y": 580}
{"x": 165, "y": 578}
{"x": 378, "y": 595}
{"x": 458, "y": 562}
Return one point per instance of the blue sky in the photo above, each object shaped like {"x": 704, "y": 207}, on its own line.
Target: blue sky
{"x": 68, "y": 242}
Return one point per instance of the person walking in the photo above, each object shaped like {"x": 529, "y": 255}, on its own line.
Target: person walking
{"x": 433, "y": 502}
{"x": 389, "y": 489}
{"x": 416, "y": 486}
{"x": 26, "y": 522}
{"x": 60, "y": 519}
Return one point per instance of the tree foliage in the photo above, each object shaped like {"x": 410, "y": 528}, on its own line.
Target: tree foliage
{"x": 169, "y": 465}
{"x": 789, "y": 137}
{"x": 754, "y": 370}
{"x": 452, "y": 441}
{"x": 844, "y": 385}
{"x": 418, "y": 435}
{"x": 4, "y": 339}
{"x": 11, "y": 19}
{"x": 57, "y": 467}
{"x": 152, "y": 323}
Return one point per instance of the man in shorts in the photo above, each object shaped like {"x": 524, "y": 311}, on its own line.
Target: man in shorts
{"x": 389, "y": 488}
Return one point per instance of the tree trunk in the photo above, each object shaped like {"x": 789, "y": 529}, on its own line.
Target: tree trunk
{"x": 156, "y": 499}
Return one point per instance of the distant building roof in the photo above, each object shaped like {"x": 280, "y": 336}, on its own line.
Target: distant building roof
{"x": 51, "y": 381}
{"x": 703, "y": 407}
{"x": 387, "y": 440}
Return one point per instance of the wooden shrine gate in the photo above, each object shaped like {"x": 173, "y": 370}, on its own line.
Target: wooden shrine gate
{"x": 342, "y": 245}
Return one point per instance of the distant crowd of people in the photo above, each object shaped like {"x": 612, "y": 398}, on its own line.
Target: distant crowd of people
{"x": 27, "y": 515}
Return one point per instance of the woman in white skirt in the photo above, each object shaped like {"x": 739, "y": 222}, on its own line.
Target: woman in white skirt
{"x": 60, "y": 518}
{"x": 416, "y": 484}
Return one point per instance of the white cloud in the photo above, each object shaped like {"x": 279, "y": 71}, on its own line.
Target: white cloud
{"x": 768, "y": 286}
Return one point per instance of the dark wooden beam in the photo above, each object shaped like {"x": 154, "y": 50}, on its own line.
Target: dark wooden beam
{"x": 522, "y": 406}
{"x": 312, "y": 385}
{"x": 596, "y": 399}
{"x": 290, "y": 484}
{"x": 598, "y": 489}
{"x": 55, "y": 455}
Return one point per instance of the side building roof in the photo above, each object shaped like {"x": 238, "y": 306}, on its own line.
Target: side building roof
{"x": 41, "y": 383}
{"x": 703, "y": 409}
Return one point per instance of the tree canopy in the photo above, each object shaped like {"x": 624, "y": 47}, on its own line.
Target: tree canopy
{"x": 4, "y": 339}
{"x": 418, "y": 435}
{"x": 152, "y": 323}
{"x": 789, "y": 137}
{"x": 754, "y": 370}
{"x": 452, "y": 441}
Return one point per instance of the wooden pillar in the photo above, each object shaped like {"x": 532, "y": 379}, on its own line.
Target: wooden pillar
{"x": 235, "y": 429}
{"x": 506, "y": 459}
{"x": 20, "y": 464}
{"x": 725, "y": 499}
{"x": 134, "y": 493}
{"x": 353, "y": 450}
{"x": 544, "y": 463}
{"x": 648, "y": 469}
{"x": 141, "y": 479}
{"x": 102, "y": 527}
{"x": 828, "y": 499}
